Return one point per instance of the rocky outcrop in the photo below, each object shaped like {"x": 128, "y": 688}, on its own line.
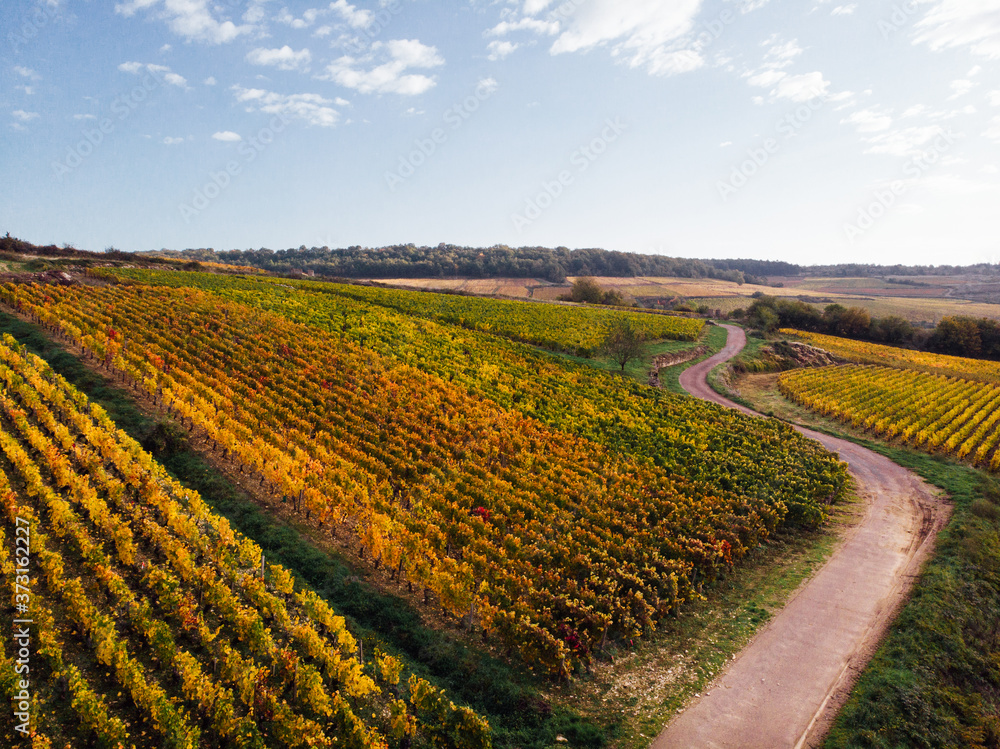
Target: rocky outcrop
{"x": 672, "y": 360}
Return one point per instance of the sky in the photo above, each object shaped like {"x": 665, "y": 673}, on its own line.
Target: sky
{"x": 810, "y": 131}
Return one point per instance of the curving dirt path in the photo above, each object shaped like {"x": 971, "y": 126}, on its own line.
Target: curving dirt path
{"x": 788, "y": 684}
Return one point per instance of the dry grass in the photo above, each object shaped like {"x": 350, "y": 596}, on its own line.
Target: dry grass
{"x": 879, "y": 298}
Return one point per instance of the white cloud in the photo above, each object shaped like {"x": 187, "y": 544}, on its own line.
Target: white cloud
{"x": 172, "y": 78}
{"x": 845, "y": 99}
{"x": 399, "y": 55}
{"x": 168, "y": 141}
{"x": 359, "y": 19}
{"x": 641, "y": 33}
{"x": 548, "y": 28}
{"x": 165, "y": 48}
{"x": 28, "y": 90}
{"x": 311, "y": 108}
{"x": 904, "y": 141}
{"x": 844, "y": 10}
{"x": 651, "y": 34}
{"x": 500, "y": 49}
{"x": 488, "y": 86}
{"x": 961, "y": 87}
{"x": 766, "y": 78}
{"x": 994, "y": 98}
{"x": 868, "y": 121}
{"x": 531, "y": 7}
{"x": 255, "y": 13}
{"x": 228, "y": 136}
{"x": 25, "y": 116}
{"x": 950, "y": 114}
{"x": 974, "y": 24}
{"x": 725, "y": 144}
{"x": 323, "y": 31}
{"x": 308, "y": 18}
{"x": 955, "y": 185}
{"x": 802, "y": 87}
{"x": 191, "y": 19}
{"x": 84, "y": 117}
{"x": 993, "y": 131}
{"x": 781, "y": 54}
{"x": 210, "y": 81}
{"x": 783, "y": 85}
{"x": 27, "y": 72}
{"x": 284, "y": 59}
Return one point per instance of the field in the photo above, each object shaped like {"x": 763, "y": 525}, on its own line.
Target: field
{"x": 920, "y": 361}
{"x": 443, "y": 489}
{"x": 567, "y": 328}
{"x": 145, "y": 592}
{"x": 475, "y": 455}
{"x": 932, "y": 412}
{"x": 921, "y": 305}
{"x": 944, "y": 404}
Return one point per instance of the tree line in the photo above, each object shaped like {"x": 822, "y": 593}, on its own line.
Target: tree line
{"x": 447, "y": 260}
{"x": 977, "y": 338}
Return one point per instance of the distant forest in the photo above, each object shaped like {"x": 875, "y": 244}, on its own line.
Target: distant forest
{"x": 499, "y": 261}
{"x": 444, "y": 261}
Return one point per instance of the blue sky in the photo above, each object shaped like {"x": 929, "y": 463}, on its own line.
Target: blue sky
{"x": 811, "y": 131}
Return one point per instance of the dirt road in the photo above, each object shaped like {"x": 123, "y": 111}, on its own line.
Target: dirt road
{"x": 786, "y": 687}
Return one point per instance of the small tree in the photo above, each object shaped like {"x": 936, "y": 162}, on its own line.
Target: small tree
{"x": 623, "y": 342}
{"x": 587, "y": 290}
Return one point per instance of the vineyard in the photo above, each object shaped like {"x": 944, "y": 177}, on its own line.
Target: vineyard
{"x": 558, "y": 327}
{"x": 686, "y": 437}
{"x": 933, "y": 412}
{"x": 872, "y": 353}
{"x": 154, "y": 624}
{"x": 551, "y": 543}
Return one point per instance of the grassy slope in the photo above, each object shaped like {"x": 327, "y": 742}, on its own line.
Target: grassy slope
{"x": 935, "y": 681}
{"x": 670, "y": 378}
{"x": 508, "y": 696}
{"x": 638, "y": 369}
